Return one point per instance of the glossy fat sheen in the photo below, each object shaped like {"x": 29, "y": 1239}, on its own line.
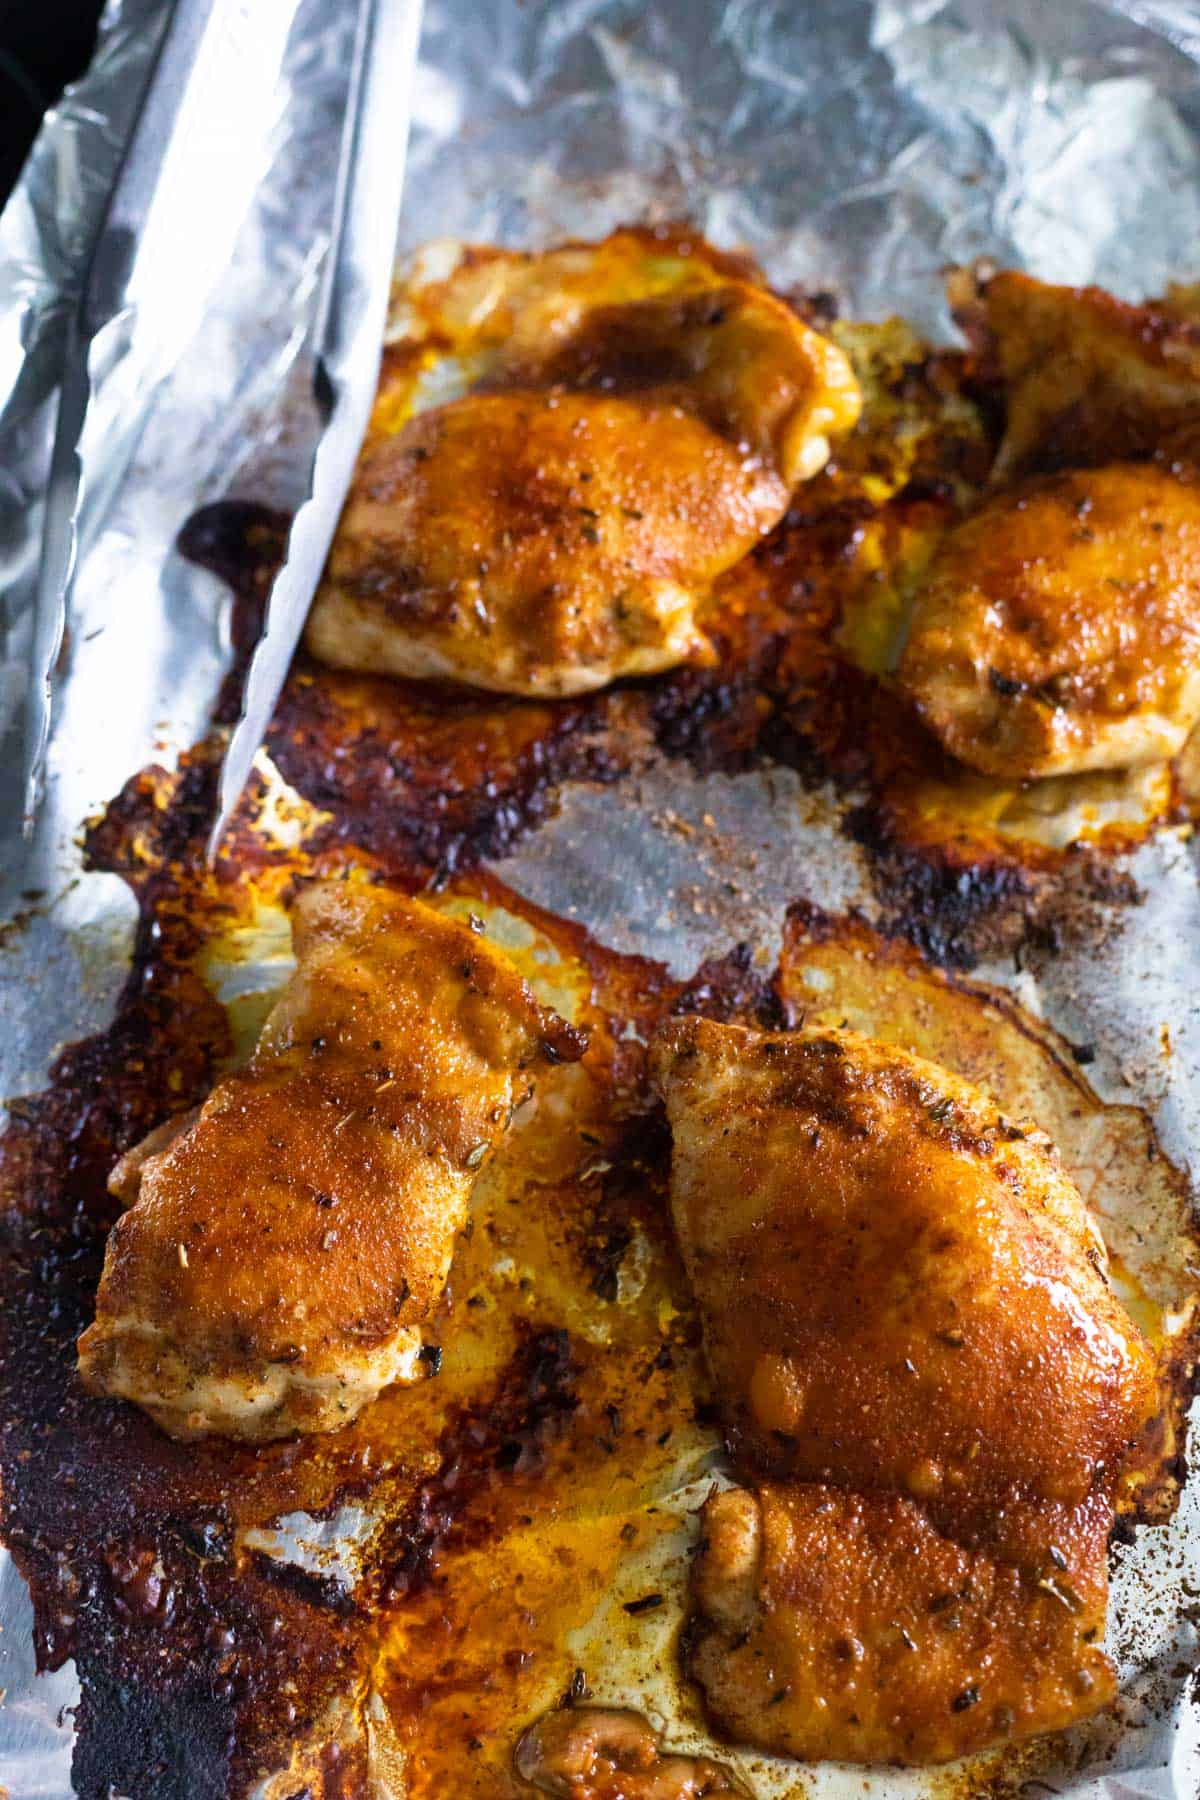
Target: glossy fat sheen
{"x": 556, "y": 531}
{"x": 1088, "y": 378}
{"x": 1058, "y": 628}
{"x": 282, "y": 1250}
{"x": 903, "y": 1299}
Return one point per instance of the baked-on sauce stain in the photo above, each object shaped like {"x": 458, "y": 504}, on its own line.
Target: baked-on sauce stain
{"x": 513, "y": 1481}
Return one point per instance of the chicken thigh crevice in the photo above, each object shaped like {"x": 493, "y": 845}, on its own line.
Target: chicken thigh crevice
{"x": 283, "y": 1248}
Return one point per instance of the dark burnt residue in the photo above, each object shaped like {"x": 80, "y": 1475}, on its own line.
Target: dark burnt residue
{"x": 715, "y": 719}
{"x": 957, "y": 908}
{"x": 431, "y": 782}
{"x": 732, "y": 989}
{"x": 172, "y": 1655}
{"x": 126, "y": 1537}
{"x": 503, "y": 1437}
{"x": 325, "y": 1591}
{"x": 954, "y": 908}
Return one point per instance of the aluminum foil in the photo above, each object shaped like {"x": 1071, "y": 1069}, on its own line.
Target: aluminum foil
{"x": 851, "y": 145}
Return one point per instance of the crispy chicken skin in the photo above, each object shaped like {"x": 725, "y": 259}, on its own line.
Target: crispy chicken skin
{"x": 556, "y": 528}
{"x": 282, "y": 1250}
{"x": 1088, "y": 378}
{"x": 607, "y": 1753}
{"x": 1057, "y": 628}
{"x": 907, "y": 1315}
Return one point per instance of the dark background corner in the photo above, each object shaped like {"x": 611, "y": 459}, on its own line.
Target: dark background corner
{"x": 43, "y": 45}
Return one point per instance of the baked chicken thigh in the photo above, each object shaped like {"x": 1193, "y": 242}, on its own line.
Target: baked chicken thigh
{"x": 925, "y": 1374}
{"x": 284, "y": 1247}
{"x": 1057, "y": 628}
{"x": 1088, "y": 378}
{"x": 556, "y": 527}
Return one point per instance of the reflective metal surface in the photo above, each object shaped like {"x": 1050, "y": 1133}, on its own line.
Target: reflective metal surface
{"x": 347, "y": 341}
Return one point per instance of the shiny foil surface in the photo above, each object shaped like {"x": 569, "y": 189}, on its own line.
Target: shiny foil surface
{"x": 852, "y": 147}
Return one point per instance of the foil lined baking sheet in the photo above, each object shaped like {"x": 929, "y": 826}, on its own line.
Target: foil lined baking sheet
{"x": 854, "y": 147}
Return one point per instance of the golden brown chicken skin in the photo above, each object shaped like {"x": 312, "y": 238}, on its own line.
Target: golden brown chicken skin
{"x": 557, "y": 528}
{"x": 904, "y": 1302}
{"x": 538, "y": 543}
{"x": 283, "y": 1249}
{"x": 1087, "y": 378}
{"x": 1057, "y": 629}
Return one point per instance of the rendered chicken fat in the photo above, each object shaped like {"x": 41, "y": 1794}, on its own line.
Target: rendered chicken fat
{"x": 283, "y": 1248}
